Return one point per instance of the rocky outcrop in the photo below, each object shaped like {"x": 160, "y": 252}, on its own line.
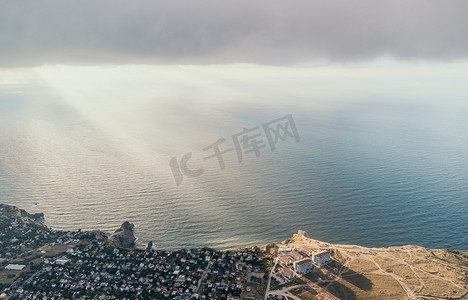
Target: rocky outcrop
{"x": 302, "y": 233}
{"x": 124, "y": 237}
{"x": 150, "y": 246}
{"x": 38, "y": 217}
{"x": 20, "y": 215}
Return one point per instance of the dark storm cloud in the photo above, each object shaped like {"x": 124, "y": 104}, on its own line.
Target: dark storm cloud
{"x": 204, "y": 31}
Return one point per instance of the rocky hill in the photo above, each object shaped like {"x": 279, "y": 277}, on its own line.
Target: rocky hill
{"x": 21, "y": 232}
{"x": 124, "y": 237}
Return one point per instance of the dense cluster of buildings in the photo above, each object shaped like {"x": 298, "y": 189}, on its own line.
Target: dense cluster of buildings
{"x": 232, "y": 273}
{"x": 93, "y": 269}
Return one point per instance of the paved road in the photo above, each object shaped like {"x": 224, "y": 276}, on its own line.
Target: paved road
{"x": 204, "y": 275}
{"x": 269, "y": 279}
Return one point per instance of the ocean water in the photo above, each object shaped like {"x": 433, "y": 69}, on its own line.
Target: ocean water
{"x": 382, "y": 159}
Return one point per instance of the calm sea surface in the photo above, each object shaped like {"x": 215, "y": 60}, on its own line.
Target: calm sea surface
{"x": 377, "y": 166}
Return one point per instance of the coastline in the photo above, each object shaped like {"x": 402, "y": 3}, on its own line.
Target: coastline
{"x": 261, "y": 271}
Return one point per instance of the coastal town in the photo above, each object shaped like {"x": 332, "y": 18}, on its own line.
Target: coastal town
{"x": 86, "y": 271}
{"x": 38, "y": 262}
{"x": 41, "y": 263}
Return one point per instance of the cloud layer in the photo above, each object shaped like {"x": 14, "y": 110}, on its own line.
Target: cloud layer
{"x": 212, "y": 31}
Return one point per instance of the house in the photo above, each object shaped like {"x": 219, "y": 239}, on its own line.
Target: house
{"x": 284, "y": 260}
{"x": 240, "y": 265}
{"x": 303, "y": 266}
{"x": 288, "y": 273}
{"x": 322, "y": 258}
{"x": 62, "y": 261}
{"x": 295, "y": 255}
{"x": 307, "y": 251}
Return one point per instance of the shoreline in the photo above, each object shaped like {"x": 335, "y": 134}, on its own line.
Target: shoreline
{"x": 233, "y": 248}
{"x": 33, "y": 250}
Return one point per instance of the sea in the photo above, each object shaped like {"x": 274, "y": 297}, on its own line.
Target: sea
{"x": 375, "y": 155}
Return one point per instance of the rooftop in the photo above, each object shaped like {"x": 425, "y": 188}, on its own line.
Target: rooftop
{"x": 303, "y": 261}
{"x": 323, "y": 253}
{"x": 15, "y": 267}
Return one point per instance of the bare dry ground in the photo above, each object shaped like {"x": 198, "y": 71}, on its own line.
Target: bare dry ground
{"x": 407, "y": 272}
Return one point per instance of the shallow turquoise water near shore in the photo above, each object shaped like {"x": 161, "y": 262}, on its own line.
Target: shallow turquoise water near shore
{"x": 369, "y": 171}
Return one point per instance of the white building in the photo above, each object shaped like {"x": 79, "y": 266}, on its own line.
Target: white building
{"x": 303, "y": 266}
{"x": 62, "y": 261}
{"x": 284, "y": 249}
{"x": 15, "y": 267}
{"x": 321, "y": 258}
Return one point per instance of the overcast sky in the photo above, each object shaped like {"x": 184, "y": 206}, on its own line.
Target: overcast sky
{"x": 242, "y": 31}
